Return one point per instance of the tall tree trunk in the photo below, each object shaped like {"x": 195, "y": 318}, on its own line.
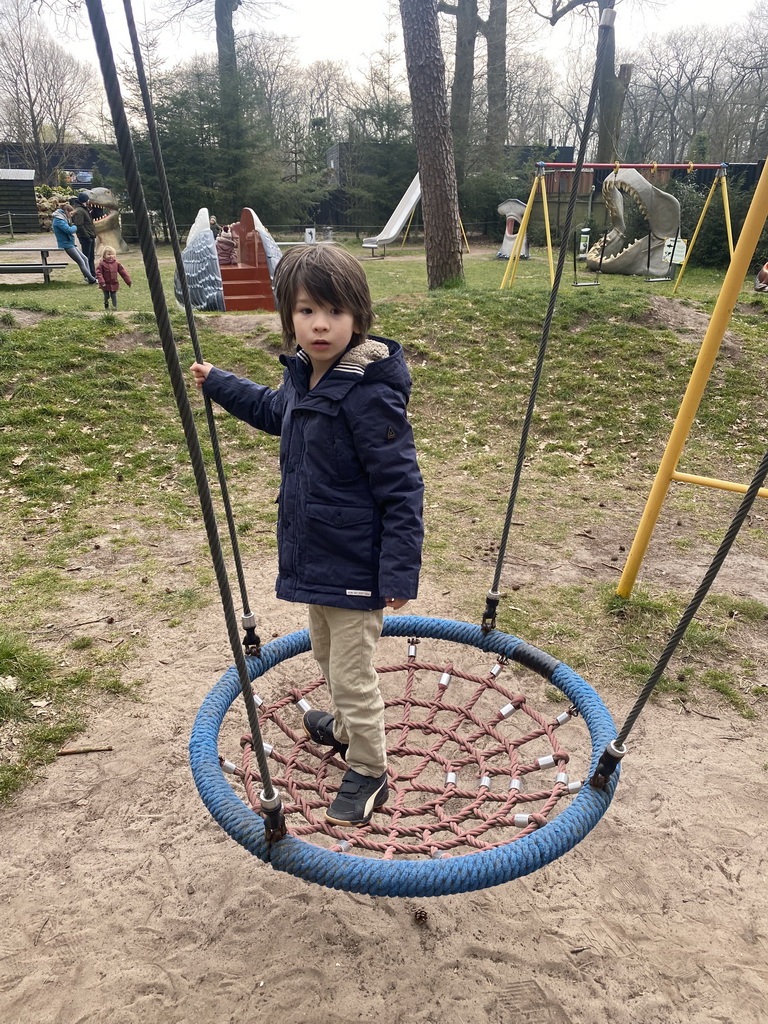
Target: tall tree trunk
{"x": 231, "y": 117}
{"x": 612, "y": 91}
{"x": 495, "y": 32}
{"x": 434, "y": 145}
{"x": 467, "y": 27}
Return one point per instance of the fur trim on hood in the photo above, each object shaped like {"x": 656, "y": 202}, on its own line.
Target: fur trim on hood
{"x": 367, "y": 352}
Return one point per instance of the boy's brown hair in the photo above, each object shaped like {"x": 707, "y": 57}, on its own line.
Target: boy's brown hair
{"x": 327, "y": 274}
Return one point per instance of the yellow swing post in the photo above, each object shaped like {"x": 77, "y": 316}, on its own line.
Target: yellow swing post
{"x": 464, "y": 236}
{"x": 547, "y": 229}
{"x": 667, "y": 472}
{"x": 727, "y": 211}
{"x": 720, "y": 176}
{"x": 514, "y": 256}
{"x": 408, "y": 227}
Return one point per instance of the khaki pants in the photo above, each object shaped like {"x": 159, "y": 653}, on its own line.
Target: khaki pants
{"x": 343, "y": 642}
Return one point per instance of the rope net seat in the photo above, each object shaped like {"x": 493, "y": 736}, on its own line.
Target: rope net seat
{"x": 475, "y": 773}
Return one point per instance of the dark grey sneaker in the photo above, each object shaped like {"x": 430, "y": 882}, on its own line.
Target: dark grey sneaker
{"x": 358, "y": 797}
{"x": 318, "y": 725}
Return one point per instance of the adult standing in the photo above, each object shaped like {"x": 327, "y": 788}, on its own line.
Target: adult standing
{"x": 86, "y": 233}
{"x": 65, "y": 232}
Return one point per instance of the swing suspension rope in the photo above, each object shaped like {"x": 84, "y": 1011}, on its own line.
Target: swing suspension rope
{"x": 478, "y": 742}
{"x": 615, "y": 750}
{"x": 494, "y": 596}
{"x": 275, "y": 822}
{"x": 251, "y": 640}
{"x": 470, "y": 736}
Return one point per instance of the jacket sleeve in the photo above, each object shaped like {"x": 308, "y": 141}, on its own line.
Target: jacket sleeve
{"x": 384, "y": 443}
{"x": 100, "y": 275}
{"x": 255, "y": 404}
{"x": 123, "y": 273}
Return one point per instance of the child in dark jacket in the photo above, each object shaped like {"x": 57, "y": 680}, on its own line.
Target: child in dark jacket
{"x": 107, "y": 273}
{"x": 350, "y": 524}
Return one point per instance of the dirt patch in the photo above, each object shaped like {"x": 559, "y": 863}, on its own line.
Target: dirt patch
{"x": 687, "y": 323}
{"x": 23, "y": 317}
{"x": 252, "y": 326}
{"x": 127, "y": 342}
{"x": 754, "y": 308}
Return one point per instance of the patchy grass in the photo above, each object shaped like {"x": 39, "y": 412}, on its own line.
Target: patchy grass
{"x": 38, "y": 709}
{"x": 101, "y": 511}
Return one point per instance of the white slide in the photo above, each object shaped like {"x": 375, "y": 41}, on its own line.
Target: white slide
{"x": 397, "y": 221}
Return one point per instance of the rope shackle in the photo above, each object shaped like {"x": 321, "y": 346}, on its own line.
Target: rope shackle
{"x": 251, "y": 639}
{"x": 275, "y": 828}
{"x": 611, "y": 756}
{"x": 492, "y": 599}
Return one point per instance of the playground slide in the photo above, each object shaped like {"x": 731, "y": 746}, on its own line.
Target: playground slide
{"x": 397, "y": 221}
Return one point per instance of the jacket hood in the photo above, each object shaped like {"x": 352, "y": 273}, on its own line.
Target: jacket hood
{"x": 374, "y": 361}
{"x": 60, "y": 214}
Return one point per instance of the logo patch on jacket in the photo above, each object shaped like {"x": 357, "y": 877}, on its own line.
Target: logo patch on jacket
{"x": 391, "y": 434}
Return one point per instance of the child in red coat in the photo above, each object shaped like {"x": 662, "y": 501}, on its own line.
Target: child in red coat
{"x": 107, "y": 273}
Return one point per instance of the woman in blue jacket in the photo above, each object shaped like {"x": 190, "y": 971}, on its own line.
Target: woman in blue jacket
{"x": 65, "y": 233}
{"x": 350, "y": 524}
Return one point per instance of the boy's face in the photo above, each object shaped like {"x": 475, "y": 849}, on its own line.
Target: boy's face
{"x": 321, "y": 330}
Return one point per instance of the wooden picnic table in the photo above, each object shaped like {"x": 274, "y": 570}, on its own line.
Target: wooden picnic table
{"x": 41, "y": 267}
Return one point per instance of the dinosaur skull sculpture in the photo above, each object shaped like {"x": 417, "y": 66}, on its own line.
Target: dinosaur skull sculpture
{"x": 660, "y": 209}
{"x": 103, "y": 207}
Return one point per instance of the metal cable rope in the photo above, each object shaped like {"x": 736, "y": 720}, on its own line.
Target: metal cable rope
{"x": 251, "y": 639}
{"x": 270, "y": 798}
{"x": 493, "y": 596}
{"x": 616, "y": 749}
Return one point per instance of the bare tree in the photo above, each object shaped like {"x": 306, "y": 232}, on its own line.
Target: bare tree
{"x": 534, "y": 112}
{"x": 467, "y": 27}
{"x": 270, "y": 72}
{"x": 470, "y": 23}
{"x": 434, "y": 145}
{"x": 613, "y": 85}
{"x": 688, "y": 96}
{"x": 494, "y": 28}
{"x": 41, "y": 87}
{"x": 751, "y": 60}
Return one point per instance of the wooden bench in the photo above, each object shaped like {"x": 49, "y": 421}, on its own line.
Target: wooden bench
{"x": 43, "y": 267}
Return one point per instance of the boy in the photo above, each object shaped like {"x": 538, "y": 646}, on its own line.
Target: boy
{"x": 350, "y": 505}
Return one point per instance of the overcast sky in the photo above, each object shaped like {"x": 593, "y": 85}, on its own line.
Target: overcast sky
{"x": 350, "y": 30}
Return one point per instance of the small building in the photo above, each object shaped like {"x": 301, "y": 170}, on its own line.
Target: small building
{"x": 18, "y": 205}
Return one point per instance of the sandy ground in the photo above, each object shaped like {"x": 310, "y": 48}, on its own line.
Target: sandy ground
{"x": 122, "y": 901}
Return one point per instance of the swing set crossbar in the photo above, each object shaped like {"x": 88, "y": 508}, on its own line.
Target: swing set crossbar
{"x": 637, "y": 167}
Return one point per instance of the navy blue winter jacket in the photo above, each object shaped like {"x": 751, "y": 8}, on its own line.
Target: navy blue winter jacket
{"x": 350, "y": 524}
